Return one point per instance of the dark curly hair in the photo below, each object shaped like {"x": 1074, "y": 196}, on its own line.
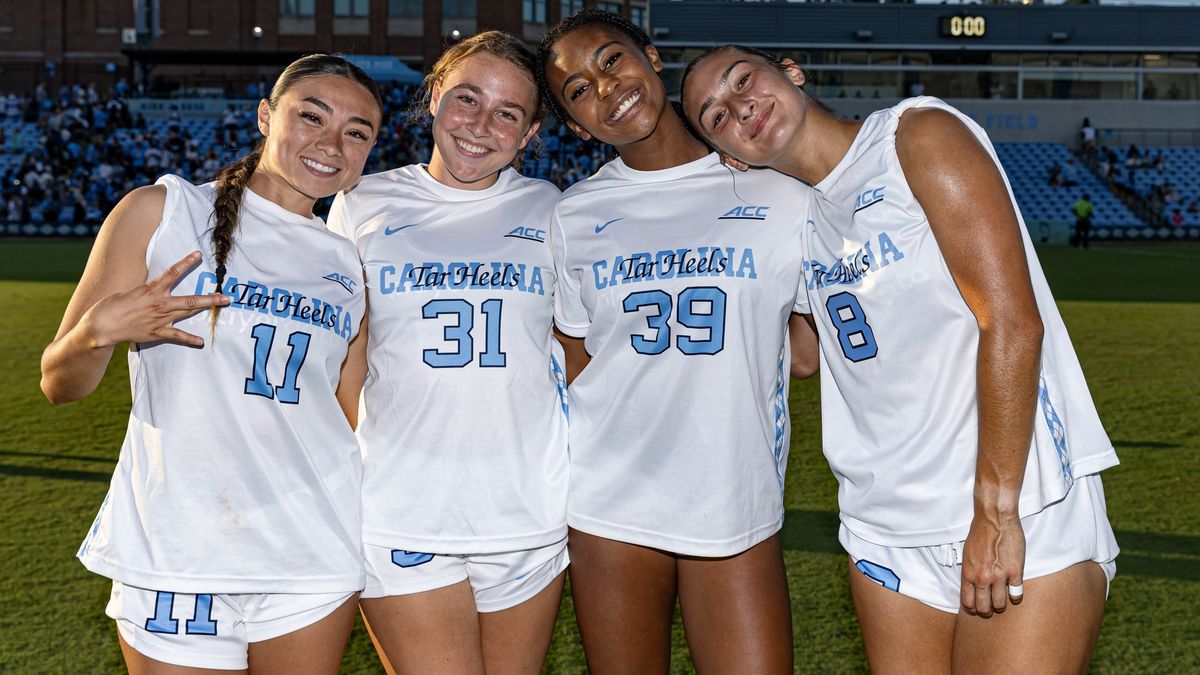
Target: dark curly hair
{"x": 587, "y": 17}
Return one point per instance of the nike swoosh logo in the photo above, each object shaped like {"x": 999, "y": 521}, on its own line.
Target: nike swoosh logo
{"x": 387, "y": 231}
{"x": 600, "y": 228}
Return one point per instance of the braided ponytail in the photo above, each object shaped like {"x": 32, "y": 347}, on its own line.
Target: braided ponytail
{"x": 231, "y": 183}
{"x": 232, "y": 180}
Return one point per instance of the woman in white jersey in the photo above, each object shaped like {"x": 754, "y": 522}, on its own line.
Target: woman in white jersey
{"x": 676, "y": 283}
{"x": 955, "y": 413}
{"x": 231, "y": 529}
{"x": 463, "y": 427}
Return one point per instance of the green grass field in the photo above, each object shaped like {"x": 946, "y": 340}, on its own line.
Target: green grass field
{"x": 1134, "y": 315}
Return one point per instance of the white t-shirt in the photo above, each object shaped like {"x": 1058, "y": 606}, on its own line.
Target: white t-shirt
{"x": 463, "y": 424}
{"x": 899, "y": 351}
{"x": 681, "y": 282}
{"x": 239, "y": 473}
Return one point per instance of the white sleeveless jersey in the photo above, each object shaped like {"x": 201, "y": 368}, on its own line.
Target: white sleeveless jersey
{"x": 899, "y": 356}
{"x": 239, "y": 472}
{"x": 681, "y": 281}
{"x": 463, "y": 423}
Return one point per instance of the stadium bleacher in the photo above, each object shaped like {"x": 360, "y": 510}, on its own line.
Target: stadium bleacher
{"x": 1027, "y": 166}
{"x": 1180, "y": 168}
{"x": 64, "y": 163}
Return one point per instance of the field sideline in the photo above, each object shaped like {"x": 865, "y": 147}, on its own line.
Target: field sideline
{"x": 1134, "y": 315}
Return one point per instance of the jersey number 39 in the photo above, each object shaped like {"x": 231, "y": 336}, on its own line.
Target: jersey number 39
{"x": 699, "y": 307}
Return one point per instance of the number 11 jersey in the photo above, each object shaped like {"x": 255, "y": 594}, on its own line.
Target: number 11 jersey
{"x": 239, "y": 472}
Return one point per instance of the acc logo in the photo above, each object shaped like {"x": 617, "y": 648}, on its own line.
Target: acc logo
{"x": 342, "y": 280}
{"x": 869, "y": 197}
{"x": 746, "y": 213}
{"x": 530, "y": 233}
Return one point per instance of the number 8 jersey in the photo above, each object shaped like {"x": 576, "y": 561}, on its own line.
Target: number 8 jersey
{"x": 463, "y": 424}
{"x": 681, "y": 282}
{"x": 899, "y": 351}
{"x": 239, "y": 472}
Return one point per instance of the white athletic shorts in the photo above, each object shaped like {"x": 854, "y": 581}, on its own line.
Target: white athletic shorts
{"x": 498, "y": 580}
{"x": 1067, "y": 532}
{"x": 211, "y": 631}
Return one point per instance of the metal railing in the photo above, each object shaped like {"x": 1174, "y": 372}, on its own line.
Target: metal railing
{"x": 1118, "y": 137}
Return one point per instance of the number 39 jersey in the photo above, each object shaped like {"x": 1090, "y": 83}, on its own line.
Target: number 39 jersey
{"x": 239, "y": 472}
{"x": 463, "y": 424}
{"x": 899, "y": 351}
{"x": 681, "y": 282}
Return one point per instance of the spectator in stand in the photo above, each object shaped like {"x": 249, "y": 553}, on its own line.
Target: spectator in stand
{"x": 1056, "y": 177}
{"x": 1133, "y": 157}
{"x": 94, "y": 145}
{"x": 1177, "y": 218}
{"x": 1169, "y": 194}
{"x": 1083, "y": 222}
{"x": 1087, "y": 137}
{"x": 1070, "y": 173}
{"x": 1193, "y": 207}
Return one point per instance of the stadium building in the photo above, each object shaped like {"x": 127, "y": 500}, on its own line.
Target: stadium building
{"x": 207, "y": 46}
{"x": 1029, "y": 74}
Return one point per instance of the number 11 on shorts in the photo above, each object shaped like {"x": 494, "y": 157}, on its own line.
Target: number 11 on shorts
{"x": 201, "y": 622}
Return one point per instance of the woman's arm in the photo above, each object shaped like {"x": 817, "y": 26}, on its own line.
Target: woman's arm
{"x": 972, "y": 217}
{"x": 114, "y": 302}
{"x": 353, "y": 375}
{"x": 577, "y": 356}
{"x": 806, "y": 350}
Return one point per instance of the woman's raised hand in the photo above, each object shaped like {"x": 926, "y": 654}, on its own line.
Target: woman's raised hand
{"x": 148, "y": 313}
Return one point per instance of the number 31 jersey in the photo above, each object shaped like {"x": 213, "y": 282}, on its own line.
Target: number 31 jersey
{"x": 681, "y": 282}
{"x": 463, "y": 424}
{"x": 239, "y": 472}
{"x": 899, "y": 355}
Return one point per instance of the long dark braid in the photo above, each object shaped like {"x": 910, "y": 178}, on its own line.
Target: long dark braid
{"x": 232, "y": 180}
{"x": 231, "y": 184}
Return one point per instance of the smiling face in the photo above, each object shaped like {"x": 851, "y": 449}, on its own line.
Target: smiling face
{"x": 317, "y": 139}
{"x": 482, "y": 113}
{"x": 744, "y": 105}
{"x": 607, "y": 84}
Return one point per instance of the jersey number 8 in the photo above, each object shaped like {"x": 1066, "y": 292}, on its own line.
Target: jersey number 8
{"x": 853, "y": 331}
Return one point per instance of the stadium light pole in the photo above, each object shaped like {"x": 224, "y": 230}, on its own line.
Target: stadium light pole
{"x": 257, "y": 32}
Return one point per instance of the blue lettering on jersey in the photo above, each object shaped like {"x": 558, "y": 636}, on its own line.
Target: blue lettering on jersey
{"x": 746, "y": 213}
{"x": 851, "y": 269}
{"x": 258, "y": 297}
{"x": 341, "y": 279}
{"x": 704, "y": 261}
{"x": 530, "y": 233}
{"x": 868, "y": 197}
{"x": 430, "y": 276}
